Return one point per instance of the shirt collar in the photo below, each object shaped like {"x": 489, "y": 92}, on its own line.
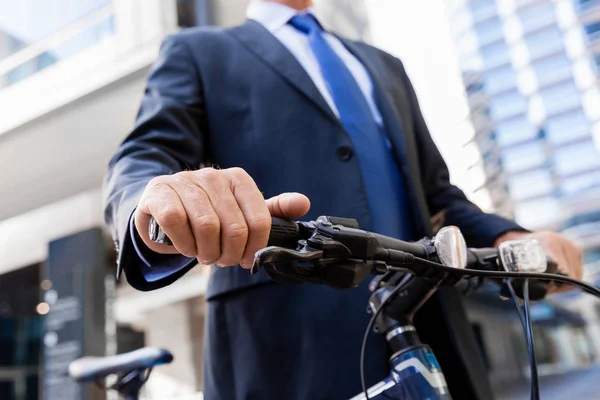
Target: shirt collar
{"x": 272, "y": 16}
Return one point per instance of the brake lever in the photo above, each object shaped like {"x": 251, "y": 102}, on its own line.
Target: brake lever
{"x": 318, "y": 260}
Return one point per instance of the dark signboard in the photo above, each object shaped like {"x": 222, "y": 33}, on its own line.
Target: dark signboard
{"x": 75, "y": 325}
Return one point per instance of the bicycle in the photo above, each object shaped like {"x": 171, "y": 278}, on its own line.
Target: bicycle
{"x": 335, "y": 252}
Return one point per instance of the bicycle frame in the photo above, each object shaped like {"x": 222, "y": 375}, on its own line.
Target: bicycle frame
{"x": 415, "y": 375}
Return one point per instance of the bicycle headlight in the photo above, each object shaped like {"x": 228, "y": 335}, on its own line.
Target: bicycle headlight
{"x": 523, "y": 256}
{"x": 450, "y": 247}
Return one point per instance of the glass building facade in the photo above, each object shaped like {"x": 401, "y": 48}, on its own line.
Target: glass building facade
{"x": 530, "y": 70}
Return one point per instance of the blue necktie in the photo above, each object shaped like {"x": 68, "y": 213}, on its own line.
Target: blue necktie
{"x": 384, "y": 186}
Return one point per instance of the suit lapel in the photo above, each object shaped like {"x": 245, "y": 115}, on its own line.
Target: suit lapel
{"x": 397, "y": 121}
{"x": 271, "y": 51}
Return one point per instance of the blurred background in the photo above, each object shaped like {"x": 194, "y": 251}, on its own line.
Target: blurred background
{"x": 509, "y": 88}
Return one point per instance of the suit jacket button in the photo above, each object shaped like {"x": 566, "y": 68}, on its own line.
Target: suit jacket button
{"x": 345, "y": 153}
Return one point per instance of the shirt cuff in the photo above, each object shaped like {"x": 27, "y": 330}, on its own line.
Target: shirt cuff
{"x": 155, "y": 266}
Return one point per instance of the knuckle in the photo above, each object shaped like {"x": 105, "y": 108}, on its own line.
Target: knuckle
{"x": 237, "y": 172}
{"x": 184, "y": 176}
{"x": 238, "y": 175}
{"x": 236, "y": 230}
{"x": 158, "y": 183}
{"x": 208, "y": 174}
{"x": 260, "y": 224}
{"x": 208, "y": 223}
{"x": 208, "y": 178}
{"x": 172, "y": 216}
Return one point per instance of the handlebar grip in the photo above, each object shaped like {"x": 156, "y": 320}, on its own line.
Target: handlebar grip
{"x": 283, "y": 233}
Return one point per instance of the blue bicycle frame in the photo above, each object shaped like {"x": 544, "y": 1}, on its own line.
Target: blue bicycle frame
{"x": 415, "y": 372}
{"x": 415, "y": 375}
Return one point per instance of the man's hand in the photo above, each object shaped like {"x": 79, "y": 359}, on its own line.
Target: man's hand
{"x": 216, "y": 216}
{"x": 560, "y": 249}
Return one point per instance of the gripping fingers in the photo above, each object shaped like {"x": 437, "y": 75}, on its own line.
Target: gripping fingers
{"x": 234, "y": 230}
{"x": 203, "y": 220}
{"x": 163, "y": 203}
{"x": 255, "y": 212}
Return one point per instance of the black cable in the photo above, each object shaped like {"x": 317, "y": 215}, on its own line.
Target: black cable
{"x": 363, "y": 348}
{"x": 535, "y": 386}
{"x": 503, "y": 274}
{"x": 526, "y": 324}
{"x": 515, "y": 299}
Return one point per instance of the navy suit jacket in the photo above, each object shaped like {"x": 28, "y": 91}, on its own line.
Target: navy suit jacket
{"x": 238, "y": 97}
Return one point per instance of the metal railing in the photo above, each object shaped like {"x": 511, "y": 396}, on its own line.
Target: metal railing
{"x": 49, "y": 43}
{"x": 59, "y": 37}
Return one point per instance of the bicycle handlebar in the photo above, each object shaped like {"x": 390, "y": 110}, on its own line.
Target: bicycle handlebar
{"x": 343, "y": 255}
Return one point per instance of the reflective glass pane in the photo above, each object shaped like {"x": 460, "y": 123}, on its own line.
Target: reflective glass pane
{"x": 524, "y": 157}
{"x": 495, "y": 54}
{"x": 585, "y": 4}
{"x": 23, "y": 23}
{"x": 580, "y": 183}
{"x": 592, "y": 31}
{"x": 514, "y": 131}
{"x": 552, "y": 69}
{"x": 576, "y": 158}
{"x": 500, "y": 79}
{"x": 530, "y": 184}
{"x": 508, "y": 104}
{"x": 482, "y": 9}
{"x": 21, "y": 330}
{"x": 489, "y": 31}
{"x": 544, "y": 42}
{"x": 567, "y": 127}
{"x": 560, "y": 97}
{"x": 536, "y": 16}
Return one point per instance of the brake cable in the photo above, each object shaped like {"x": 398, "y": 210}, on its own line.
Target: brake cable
{"x": 525, "y": 319}
{"x": 363, "y": 349}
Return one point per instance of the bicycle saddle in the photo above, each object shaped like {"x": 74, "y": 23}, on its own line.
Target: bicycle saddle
{"x": 92, "y": 368}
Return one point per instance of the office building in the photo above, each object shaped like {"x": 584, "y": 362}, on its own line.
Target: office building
{"x": 530, "y": 72}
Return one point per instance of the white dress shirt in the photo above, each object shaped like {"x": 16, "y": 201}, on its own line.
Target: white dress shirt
{"x": 274, "y": 17}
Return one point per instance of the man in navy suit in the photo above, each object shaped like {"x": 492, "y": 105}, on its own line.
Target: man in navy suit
{"x": 289, "y": 112}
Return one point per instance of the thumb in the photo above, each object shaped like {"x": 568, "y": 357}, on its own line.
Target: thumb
{"x": 288, "y": 205}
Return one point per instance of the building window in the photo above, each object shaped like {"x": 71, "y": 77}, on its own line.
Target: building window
{"x": 582, "y": 219}
{"x": 580, "y": 183}
{"x": 568, "y": 127}
{"x": 489, "y": 31}
{"x": 537, "y": 16}
{"x": 500, "y": 79}
{"x": 544, "y": 42}
{"x": 524, "y": 157}
{"x": 585, "y": 4}
{"x": 560, "y": 98}
{"x": 592, "y": 31}
{"x": 530, "y": 184}
{"x": 552, "y": 69}
{"x": 514, "y": 131}
{"x": 597, "y": 62}
{"x": 579, "y": 157}
{"x": 508, "y": 104}
{"x": 495, "y": 54}
{"x": 482, "y": 9}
